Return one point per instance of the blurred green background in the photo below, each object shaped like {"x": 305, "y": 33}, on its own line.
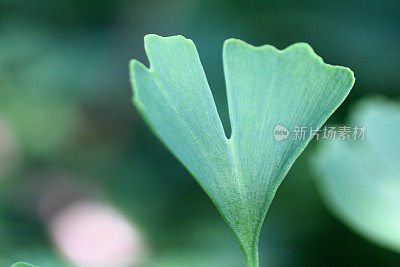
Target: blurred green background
{"x": 69, "y": 133}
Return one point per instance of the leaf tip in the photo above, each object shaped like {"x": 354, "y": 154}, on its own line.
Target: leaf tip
{"x": 135, "y": 68}
{"x": 305, "y": 48}
{"x": 231, "y": 42}
{"x": 151, "y": 38}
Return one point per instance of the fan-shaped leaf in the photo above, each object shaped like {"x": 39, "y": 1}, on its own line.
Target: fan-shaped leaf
{"x": 266, "y": 87}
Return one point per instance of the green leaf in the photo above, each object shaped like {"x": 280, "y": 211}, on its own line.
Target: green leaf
{"x": 360, "y": 180}
{"x": 265, "y": 87}
{"x": 23, "y": 264}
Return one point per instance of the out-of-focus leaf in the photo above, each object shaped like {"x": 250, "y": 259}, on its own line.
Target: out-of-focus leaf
{"x": 360, "y": 180}
{"x": 266, "y": 87}
{"x": 23, "y": 264}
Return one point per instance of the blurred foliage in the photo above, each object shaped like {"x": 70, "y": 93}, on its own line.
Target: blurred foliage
{"x": 22, "y": 264}
{"x": 65, "y": 94}
{"x": 360, "y": 181}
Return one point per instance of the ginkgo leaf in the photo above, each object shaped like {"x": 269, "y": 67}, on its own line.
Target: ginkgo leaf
{"x": 265, "y": 87}
{"x": 360, "y": 180}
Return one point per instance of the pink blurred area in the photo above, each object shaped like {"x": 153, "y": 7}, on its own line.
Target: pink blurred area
{"x": 91, "y": 234}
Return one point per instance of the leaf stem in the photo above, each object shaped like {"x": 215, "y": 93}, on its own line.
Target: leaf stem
{"x": 251, "y": 256}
